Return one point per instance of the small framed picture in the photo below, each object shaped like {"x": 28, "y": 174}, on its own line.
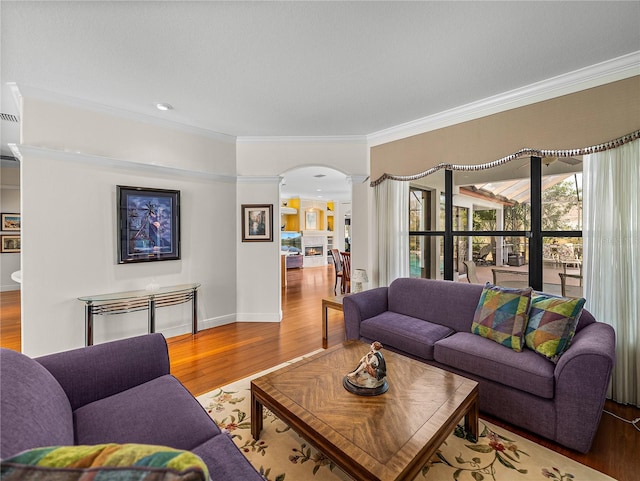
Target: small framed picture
{"x": 148, "y": 224}
{"x": 10, "y": 222}
{"x": 311, "y": 220}
{"x": 257, "y": 222}
{"x": 10, "y": 243}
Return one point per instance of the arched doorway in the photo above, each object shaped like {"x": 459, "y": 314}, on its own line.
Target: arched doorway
{"x": 315, "y": 215}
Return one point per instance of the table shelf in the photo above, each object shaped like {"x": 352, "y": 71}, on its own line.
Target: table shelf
{"x": 139, "y": 300}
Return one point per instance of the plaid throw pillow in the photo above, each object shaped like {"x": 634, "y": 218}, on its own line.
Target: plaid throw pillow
{"x": 552, "y": 324}
{"x": 502, "y": 314}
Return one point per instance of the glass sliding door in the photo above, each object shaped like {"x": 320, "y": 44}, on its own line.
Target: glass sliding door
{"x": 496, "y": 215}
{"x": 426, "y": 258}
{"x": 499, "y": 209}
{"x": 562, "y": 226}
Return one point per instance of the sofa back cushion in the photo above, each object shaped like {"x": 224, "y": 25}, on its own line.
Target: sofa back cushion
{"x": 35, "y": 409}
{"x": 448, "y": 303}
{"x": 88, "y": 374}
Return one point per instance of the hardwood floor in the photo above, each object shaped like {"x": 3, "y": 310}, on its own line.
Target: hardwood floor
{"x": 218, "y": 356}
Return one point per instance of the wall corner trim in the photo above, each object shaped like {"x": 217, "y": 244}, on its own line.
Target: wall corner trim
{"x": 20, "y": 150}
{"x": 259, "y": 179}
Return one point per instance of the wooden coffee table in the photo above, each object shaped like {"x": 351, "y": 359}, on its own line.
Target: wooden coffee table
{"x": 387, "y": 437}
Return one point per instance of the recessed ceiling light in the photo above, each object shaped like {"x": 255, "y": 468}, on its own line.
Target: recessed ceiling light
{"x": 318, "y": 190}
{"x": 164, "y": 106}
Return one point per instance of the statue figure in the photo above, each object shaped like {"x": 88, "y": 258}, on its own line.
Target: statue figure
{"x": 369, "y": 377}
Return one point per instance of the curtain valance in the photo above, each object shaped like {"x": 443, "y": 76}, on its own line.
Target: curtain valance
{"x": 612, "y": 144}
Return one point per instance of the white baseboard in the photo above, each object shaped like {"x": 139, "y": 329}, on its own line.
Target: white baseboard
{"x": 258, "y": 317}
{"x": 10, "y": 287}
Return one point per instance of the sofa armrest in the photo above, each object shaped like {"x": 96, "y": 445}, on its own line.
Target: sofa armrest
{"x": 360, "y": 306}
{"x": 91, "y": 373}
{"x": 582, "y": 378}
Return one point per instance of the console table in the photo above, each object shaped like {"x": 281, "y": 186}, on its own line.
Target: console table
{"x": 132, "y": 301}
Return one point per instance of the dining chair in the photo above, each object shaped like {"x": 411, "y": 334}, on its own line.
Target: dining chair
{"x": 346, "y": 272}
{"x": 337, "y": 265}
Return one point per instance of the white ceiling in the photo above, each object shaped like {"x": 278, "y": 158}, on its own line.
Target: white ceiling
{"x": 301, "y": 68}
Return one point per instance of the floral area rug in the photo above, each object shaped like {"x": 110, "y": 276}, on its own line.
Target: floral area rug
{"x": 281, "y": 455}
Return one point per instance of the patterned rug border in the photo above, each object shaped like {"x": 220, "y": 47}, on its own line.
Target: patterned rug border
{"x": 496, "y": 456}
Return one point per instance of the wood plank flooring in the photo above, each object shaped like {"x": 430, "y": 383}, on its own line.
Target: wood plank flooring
{"x": 218, "y": 356}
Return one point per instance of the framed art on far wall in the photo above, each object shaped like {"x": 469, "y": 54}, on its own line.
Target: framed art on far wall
{"x": 311, "y": 220}
{"x": 257, "y": 222}
{"x": 148, "y": 224}
{"x": 10, "y": 221}
{"x": 10, "y": 243}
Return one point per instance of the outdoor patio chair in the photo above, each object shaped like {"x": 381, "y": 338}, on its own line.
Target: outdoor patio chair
{"x": 481, "y": 258}
{"x": 570, "y": 290}
{"x": 510, "y": 278}
{"x": 472, "y": 275}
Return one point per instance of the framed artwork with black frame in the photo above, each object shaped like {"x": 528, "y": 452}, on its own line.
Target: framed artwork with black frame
{"x": 148, "y": 224}
{"x": 257, "y": 222}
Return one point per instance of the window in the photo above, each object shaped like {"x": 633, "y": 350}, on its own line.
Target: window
{"x": 425, "y": 248}
{"x": 523, "y": 216}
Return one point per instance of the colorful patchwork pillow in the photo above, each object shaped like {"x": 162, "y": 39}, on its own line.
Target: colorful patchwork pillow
{"x": 116, "y": 462}
{"x": 552, "y": 324}
{"x": 502, "y": 314}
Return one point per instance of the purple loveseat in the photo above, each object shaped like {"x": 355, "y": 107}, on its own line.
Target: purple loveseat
{"x": 116, "y": 392}
{"x": 430, "y": 320}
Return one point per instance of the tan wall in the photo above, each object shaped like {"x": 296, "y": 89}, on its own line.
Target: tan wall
{"x": 577, "y": 120}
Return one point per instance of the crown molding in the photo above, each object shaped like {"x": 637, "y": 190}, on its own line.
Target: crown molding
{"x": 20, "y": 150}
{"x": 310, "y": 139}
{"x": 357, "y": 178}
{"x": 603, "y": 73}
{"x": 20, "y": 91}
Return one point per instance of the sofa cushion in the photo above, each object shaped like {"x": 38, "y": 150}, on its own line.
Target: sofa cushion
{"x": 526, "y": 370}
{"x": 448, "y": 303}
{"x": 501, "y": 315}
{"x": 35, "y": 410}
{"x": 225, "y": 461}
{"x": 408, "y": 334}
{"x": 552, "y": 324}
{"x": 105, "y": 461}
{"x": 132, "y": 417}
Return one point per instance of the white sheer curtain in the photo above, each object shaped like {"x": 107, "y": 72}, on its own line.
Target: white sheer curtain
{"x": 391, "y": 208}
{"x": 611, "y": 239}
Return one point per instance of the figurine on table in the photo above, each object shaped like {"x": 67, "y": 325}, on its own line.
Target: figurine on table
{"x": 369, "y": 377}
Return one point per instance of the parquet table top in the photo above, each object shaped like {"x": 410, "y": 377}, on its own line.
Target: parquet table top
{"x": 387, "y": 437}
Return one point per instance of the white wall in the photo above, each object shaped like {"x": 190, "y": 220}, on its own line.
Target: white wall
{"x": 258, "y": 263}
{"x": 74, "y": 156}
{"x": 278, "y": 155}
{"x": 273, "y": 157}
{"x": 10, "y": 204}
{"x": 69, "y": 222}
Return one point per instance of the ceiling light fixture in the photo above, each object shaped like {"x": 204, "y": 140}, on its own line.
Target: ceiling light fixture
{"x": 164, "y": 106}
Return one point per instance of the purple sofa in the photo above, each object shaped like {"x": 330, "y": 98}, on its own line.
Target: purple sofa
{"x": 430, "y": 320}
{"x": 116, "y": 392}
